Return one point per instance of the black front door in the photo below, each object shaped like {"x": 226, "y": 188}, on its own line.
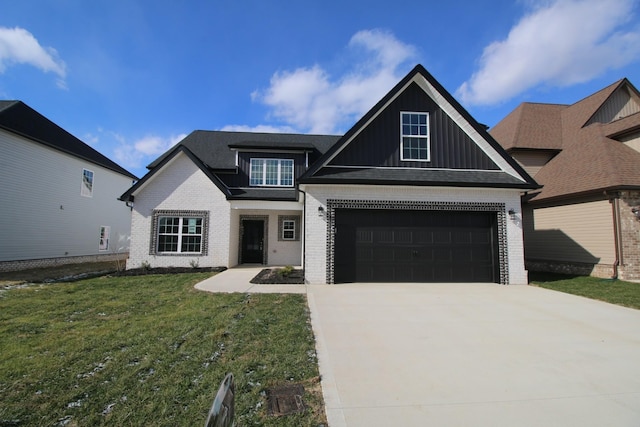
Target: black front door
{"x": 252, "y": 241}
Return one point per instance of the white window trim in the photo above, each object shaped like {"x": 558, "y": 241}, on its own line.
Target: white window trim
{"x": 295, "y": 219}
{"x": 84, "y": 190}
{"x": 180, "y": 235}
{"x": 426, "y": 137}
{"x": 264, "y": 173}
{"x": 292, "y": 229}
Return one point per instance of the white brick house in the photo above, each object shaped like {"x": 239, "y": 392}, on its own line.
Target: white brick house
{"x": 416, "y": 191}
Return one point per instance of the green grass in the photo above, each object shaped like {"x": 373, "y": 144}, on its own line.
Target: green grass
{"x": 149, "y": 350}
{"x": 613, "y": 291}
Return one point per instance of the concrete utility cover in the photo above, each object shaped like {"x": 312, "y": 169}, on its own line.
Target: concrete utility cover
{"x": 285, "y": 400}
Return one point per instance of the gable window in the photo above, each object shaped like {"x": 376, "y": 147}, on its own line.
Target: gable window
{"x": 414, "y": 136}
{"x": 86, "y": 189}
{"x": 179, "y": 233}
{"x": 271, "y": 173}
{"x": 288, "y": 228}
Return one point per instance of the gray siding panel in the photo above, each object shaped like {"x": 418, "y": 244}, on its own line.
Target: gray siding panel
{"x": 43, "y": 215}
{"x": 620, "y": 104}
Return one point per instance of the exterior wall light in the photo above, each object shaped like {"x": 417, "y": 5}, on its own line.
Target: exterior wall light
{"x": 512, "y": 214}
{"x": 636, "y": 211}
{"x": 321, "y": 211}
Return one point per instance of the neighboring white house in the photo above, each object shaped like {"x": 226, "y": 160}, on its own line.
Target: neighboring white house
{"x": 415, "y": 191}
{"x": 58, "y": 197}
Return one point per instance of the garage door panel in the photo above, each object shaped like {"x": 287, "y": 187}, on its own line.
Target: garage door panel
{"x": 460, "y": 237}
{"x": 415, "y": 246}
{"x": 480, "y": 236}
{"x": 441, "y": 237}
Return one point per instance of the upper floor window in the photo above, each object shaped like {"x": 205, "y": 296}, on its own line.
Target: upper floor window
{"x": 86, "y": 189}
{"x": 414, "y": 137}
{"x": 271, "y": 173}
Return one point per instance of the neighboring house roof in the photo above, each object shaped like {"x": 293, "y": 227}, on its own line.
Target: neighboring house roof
{"x": 466, "y": 155}
{"x": 18, "y": 118}
{"x": 589, "y": 159}
{"x": 521, "y": 128}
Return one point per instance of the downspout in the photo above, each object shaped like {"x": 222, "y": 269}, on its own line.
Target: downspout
{"x": 615, "y": 205}
{"x": 303, "y": 234}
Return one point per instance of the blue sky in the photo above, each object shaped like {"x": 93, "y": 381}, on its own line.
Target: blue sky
{"x": 131, "y": 78}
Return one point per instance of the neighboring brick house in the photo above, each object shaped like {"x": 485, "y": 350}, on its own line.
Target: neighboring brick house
{"x": 59, "y": 197}
{"x": 415, "y": 191}
{"x": 586, "y": 218}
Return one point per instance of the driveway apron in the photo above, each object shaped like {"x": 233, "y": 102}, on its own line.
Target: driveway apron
{"x": 474, "y": 355}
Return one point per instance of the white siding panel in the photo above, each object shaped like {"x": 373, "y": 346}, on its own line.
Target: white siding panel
{"x": 43, "y": 215}
{"x": 180, "y": 185}
{"x": 579, "y": 233}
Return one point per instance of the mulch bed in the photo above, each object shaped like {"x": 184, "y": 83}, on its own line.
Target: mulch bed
{"x": 274, "y": 276}
{"x": 167, "y": 270}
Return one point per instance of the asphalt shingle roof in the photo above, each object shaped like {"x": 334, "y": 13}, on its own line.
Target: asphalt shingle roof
{"x": 17, "y": 117}
{"x": 589, "y": 159}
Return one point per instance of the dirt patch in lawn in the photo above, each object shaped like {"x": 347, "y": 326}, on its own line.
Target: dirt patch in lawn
{"x": 73, "y": 272}
{"x": 279, "y": 276}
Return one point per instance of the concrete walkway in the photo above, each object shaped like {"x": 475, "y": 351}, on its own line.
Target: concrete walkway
{"x": 467, "y": 354}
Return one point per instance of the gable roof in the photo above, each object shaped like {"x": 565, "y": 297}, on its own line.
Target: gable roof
{"x": 215, "y": 152}
{"x": 504, "y": 173}
{"x": 590, "y": 160}
{"x": 18, "y": 118}
{"x": 213, "y": 147}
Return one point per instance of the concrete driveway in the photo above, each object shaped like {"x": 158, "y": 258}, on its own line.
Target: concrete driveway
{"x": 474, "y": 355}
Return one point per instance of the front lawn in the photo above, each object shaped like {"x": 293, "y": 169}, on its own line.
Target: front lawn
{"x": 609, "y": 290}
{"x": 150, "y": 350}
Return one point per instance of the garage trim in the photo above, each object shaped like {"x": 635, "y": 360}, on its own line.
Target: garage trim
{"x": 499, "y": 208}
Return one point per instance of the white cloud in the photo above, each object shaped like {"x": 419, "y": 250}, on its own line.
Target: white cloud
{"x": 310, "y": 100}
{"x": 559, "y": 43}
{"x": 258, "y": 129}
{"x": 143, "y": 151}
{"x": 19, "y": 46}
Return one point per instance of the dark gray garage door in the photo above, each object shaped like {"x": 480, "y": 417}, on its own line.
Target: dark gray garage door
{"x": 415, "y": 246}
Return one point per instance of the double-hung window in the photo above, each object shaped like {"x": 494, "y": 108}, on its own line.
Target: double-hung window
{"x": 86, "y": 189}
{"x": 414, "y": 137}
{"x": 271, "y": 173}
{"x": 288, "y": 227}
{"x": 180, "y": 234}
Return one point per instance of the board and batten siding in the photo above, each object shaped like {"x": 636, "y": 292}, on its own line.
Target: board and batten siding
{"x": 580, "y": 233}
{"x": 42, "y": 213}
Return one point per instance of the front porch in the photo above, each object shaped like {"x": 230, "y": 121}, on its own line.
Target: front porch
{"x": 266, "y": 233}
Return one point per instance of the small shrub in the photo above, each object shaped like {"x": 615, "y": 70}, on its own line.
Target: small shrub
{"x": 194, "y": 263}
{"x": 145, "y": 265}
{"x": 286, "y": 271}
